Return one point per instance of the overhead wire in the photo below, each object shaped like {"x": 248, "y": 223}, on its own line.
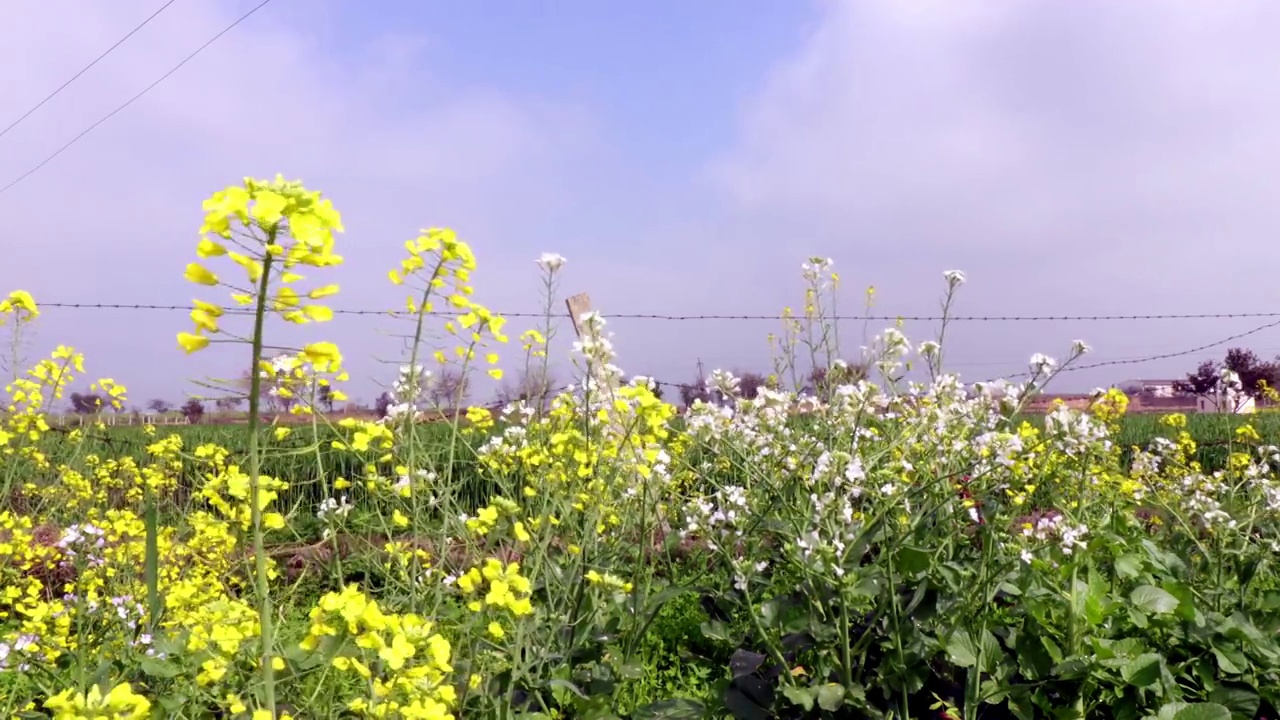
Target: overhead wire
{"x": 36, "y": 168}
{"x": 85, "y": 69}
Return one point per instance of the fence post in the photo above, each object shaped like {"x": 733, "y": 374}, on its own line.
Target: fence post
{"x": 577, "y": 305}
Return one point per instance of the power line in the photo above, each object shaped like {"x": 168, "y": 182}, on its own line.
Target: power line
{"x": 1153, "y": 358}
{"x": 670, "y": 317}
{"x": 133, "y": 99}
{"x": 85, "y": 69}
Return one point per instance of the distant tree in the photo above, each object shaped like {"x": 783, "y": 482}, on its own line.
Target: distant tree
{"x": 822, "y": 380}
{"x": 749, "y": 384}
{"x": 324, "y": 397}
{"x": 1201, "y": 382}
{"x": 450, "y": 388}
{"x": 85, "y": 403}
{"x": 158, "y": 406}
{"x": 383, "y": 403}
{"x": 691, "y": 393}
{"x": 192, "y": 410}
{"x": 268, "y": 397}
{"x": 1253, "y": 372}
{"x": 533, "y": 387}
{"x": 227, "y": 403}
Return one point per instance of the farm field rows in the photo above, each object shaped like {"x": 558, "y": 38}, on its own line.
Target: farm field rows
{"x": 905, "y": 550}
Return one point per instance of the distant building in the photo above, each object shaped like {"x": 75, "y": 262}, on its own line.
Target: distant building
{"x": 1226, "y": 401}
{"x": 1150, "y": 388}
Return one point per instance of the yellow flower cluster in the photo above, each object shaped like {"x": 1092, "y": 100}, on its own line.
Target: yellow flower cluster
{"x": 217, "y": 631}
{"x": 599, "y": 465}
{"x": 444, "y": 264}
{"x": 402, "y": 660}
{"x": 1111, "y": 406}
{"x": 507, "y": 588}
{"x": 534, "y": 343}
{"x": 607, "y": 581}
{"x": 366, "y": 436}
{"x": 228, "y": 489}
{"x": 20, "y": 305}
{"x": 279, "y": 225}
{"x": 120, "y": 702}
{"x": 499, "y": 508}
{"x": 301, "y": 379}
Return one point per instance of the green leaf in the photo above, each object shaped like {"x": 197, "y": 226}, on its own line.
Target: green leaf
{"x": 715, "y": 630}
{"x": 1143, "y": 671}
{"x": 566, "y": 685}
{"x": 1203, "y": 711}
{"x": 802, "y": 696}
{"x": 1230, "y": 661}
{"x": 831, "y": 697}
{"x": 1129, "y": 566}
{"x": 1055, "y": 653}
{"x": 159, "y": 668}
{"x": 654, "y": 604}
{"x": 962, "y": 650}
{"x": 992, "y": 652}
{"x": 677, "y": 709}
{"x": 1241, "y": 700}
{"x": 866, "y": 587}
{"x": 913, "y": 560}
{"x": 174, "y": 703}
{"x": 631, "y": 671}
{"x": 1153, "y": 599}
{"x": 1186, "y": 599}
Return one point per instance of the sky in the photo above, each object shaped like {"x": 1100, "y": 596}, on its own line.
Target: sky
{"x": 1072, "y": 157}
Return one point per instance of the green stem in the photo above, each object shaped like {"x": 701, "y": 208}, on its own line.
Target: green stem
{"x": 411, "y": 425}
{"x": 255, "y": 487}
{"x": 151, "y": 563}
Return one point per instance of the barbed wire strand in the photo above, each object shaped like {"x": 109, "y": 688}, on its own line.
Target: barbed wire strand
{"x": 1150, "y": 358}
{"x": 714, "y": 316}
{"x": 703, "y": 384}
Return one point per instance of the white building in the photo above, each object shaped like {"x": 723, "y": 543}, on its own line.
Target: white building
{"x": 1226, "y": 401}
{"x": 1150, "y": 388}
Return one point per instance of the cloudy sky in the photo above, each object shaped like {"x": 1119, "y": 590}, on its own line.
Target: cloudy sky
{"x": 1076, "y": 157}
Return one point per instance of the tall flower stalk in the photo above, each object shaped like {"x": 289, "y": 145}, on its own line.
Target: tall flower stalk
{"x": 270, "y": 229}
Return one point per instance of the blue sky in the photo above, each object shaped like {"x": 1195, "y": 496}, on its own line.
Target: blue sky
{"x": 663, "y": 84}
{"x": 1074, "y": 158}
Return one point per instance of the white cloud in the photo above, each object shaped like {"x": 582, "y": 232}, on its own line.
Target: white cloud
{"x": 1074, "y": 158}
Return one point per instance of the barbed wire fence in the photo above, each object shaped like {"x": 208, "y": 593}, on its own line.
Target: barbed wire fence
{"x": 1273, "y": 317}
{"x": 304, "y": 489}
{"x": 716, "y": 316}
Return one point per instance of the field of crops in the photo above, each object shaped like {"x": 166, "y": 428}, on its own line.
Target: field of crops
{"x": 1212, "y": 433}
{"x": 859, "y": 550}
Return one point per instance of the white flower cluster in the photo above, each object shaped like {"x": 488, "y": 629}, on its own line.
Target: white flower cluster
{"x": 1053, "y": 527}
{"x": 1076, "y": 432}
{"x": 335, "y": 508}
{"x": 816, "y": 268}
{"x": 550, "y": 262}
{"x": 717, "y": 518}
{"x": 407, "y": 391}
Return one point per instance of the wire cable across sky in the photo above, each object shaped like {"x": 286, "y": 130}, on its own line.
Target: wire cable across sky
{"x": 85, "y": 69}
{"x": 133, "y": 99}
